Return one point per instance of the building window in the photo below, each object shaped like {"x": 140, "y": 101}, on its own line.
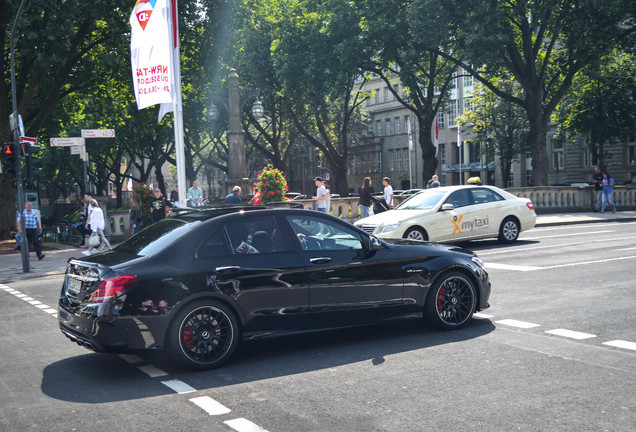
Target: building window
{"x": 407, "y": 123}
{"x": 398, "y": 126}
{"x": 558, "y": 161}
{"x": 473, "y": 149}
{"x": 440, "y": 120}
{"x": 452, "y": 112}
{"x": 529, "y": 178}
{"x": 370, "y": 128}
{"x": 387, "y": 94}
{"x": 378, "y": 128}
{"x": 443, "y": 179}
{"x": 398, "y": 160}
{"x": 442, "y": 154}
{"x": 468, "y": 81}
{"x": 468, "y": 104}
{"x": 405, "y": 158}
{"x": 590, "y": 156}
{"x": 391, "y": 160}
{"x": 369, "y": 101}
{"x": 377, "y": 96}
{"x": 378, "y": 161}
{"x": 511, "y": 179}
{"x": 631, "y": 154}
{"x": 387, "y": 126}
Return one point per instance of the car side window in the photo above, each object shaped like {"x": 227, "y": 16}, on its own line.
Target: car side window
{"x": 317, "y": 233}
{"x": 255, "y": 235}
{"x": 481, "y": 196}
{"x": 459, "y": 198}
{"x": 214, "y": 246}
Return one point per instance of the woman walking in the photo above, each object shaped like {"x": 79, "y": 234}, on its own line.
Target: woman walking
{"x": 366, "y": 192}
{"x": 136, "y": 215}
{"x": 96, "y": 221}
{"x": 608, "y": 192}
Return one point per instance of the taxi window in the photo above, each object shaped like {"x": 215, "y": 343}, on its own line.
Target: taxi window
{"x": 460, "y": 198}
{"x": 482, "y": 195}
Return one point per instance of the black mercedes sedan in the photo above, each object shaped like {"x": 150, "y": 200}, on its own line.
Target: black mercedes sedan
{"x": 197, "y": 283}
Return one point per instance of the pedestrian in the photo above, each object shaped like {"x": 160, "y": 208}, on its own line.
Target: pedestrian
{"x": 195, "y": 195}
{"x": 174, "y": 197}
{"x": 234, "y": 197}
{"x": 16, "y": 235}
{"x": 328, "y": 195}
{"x": 160, "y": 206}
{"x": 33, "y": 228}
{"x": 97, "y": 223}
{"x": 388, "y": 192}
{"x": 366, "y": 192}
{"x": 433, "y": 182}
{"x": 136, "y": 215}
{"x": 321, "y": 195}
{"x": 597, "y": 181}
{"x": 82, "y": 228}
{"x": 608, "y": 192}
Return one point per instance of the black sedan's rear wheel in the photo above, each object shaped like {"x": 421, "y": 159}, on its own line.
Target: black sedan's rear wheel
{"x": 451, "y": 301}
{"x": 203, "y": 335}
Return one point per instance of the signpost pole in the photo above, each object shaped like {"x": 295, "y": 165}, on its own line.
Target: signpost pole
{"x": 85, "y": 164}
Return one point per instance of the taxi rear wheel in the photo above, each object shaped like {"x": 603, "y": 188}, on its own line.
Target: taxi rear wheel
{"x": 415, "y": 233}
{"x": 509, "y": 230}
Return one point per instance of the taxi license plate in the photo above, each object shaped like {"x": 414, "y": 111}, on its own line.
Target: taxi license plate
{"x": 74, "y": 286}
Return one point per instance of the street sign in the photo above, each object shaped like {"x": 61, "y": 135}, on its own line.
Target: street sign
{"x": 65, "y": 142}
{"x": 98, "y": 133}
{"x": 25, "y": 139}
{"x": 77, "y": 150}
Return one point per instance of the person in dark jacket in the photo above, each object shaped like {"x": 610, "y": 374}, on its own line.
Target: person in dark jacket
{"x": 597, "y": 181}
{"x": 160, "y": 206}
{"x": 366, "y": 191}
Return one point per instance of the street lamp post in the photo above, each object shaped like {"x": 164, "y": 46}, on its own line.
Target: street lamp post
{"x": 24, "y": 247}
{"x": 237, "y": 163}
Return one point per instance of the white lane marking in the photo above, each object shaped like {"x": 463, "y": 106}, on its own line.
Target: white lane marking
{"x": 179, "y": 386}
{"x": 498, "y": 266}
{"x": 622, "y": 344}
{"x": 626, "y": 249}
{"x": 131, "y": 358}
{"x": 43, "y": 306}
{"x": 244, "y": 425}
{"x": 480, "y": 315}
{"x": 20, "y": 296}
{"x": 152, "y": 371}
{"x": 491, "y": 265}
{"x": 515, "y": 323}
{"x": 50, "y": 310}
{"x": 29, "y": 299}
{"x": 568, "y": 235}
{"x": 571, "y": 334}
{"x": 210, "y": 406}
{"x": 560, "y": 245}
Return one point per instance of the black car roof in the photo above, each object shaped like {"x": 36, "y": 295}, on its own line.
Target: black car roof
{"x": 202, "y": 214}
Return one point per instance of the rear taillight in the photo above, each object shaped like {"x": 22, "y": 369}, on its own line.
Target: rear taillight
{"x": 530, "y": 205}
{"x": 112, "y": 288}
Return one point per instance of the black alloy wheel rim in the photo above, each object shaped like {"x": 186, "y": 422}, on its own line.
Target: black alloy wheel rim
{"x": 455, "y": 301}
{"x": 206, "y": 335}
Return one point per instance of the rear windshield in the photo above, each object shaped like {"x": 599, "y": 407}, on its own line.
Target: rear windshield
{"x": 422, "y": 201}
{"x": 155, "y": 238}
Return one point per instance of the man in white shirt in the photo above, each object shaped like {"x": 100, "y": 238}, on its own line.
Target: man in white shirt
{"x": 388, "y": 191}
{"x": 321, "y": 195}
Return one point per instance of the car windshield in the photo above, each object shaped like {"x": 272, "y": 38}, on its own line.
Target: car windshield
{"x": 422, "y": 201}
{"x": 154, "y": 238}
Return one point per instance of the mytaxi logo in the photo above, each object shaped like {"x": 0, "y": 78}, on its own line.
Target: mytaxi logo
{"x": 457, "y": 221}
{"x": 143, "y": 16}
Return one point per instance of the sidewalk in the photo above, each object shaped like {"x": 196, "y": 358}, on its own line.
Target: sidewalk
{"x": 57, "y": 255}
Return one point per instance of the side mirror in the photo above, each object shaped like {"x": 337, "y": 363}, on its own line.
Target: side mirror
{"x": 447, "y": 207}
{"x": 374, "y": 243}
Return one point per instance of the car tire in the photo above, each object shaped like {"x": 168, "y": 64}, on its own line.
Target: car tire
{"x": 451, "y": 301}
{"x": 415, "y": 233}
{"x": 203, "y": 335}
{"x": 509, "y": 230}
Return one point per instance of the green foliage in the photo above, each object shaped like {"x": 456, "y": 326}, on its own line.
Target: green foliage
{"x": 271, "y": 185}
{"x": 146, "y": 197}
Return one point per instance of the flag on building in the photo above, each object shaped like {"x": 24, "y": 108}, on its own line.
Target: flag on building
{"x": 459, "y": 136}
{"x": 408, "y": 129}
{"x": 151, "y": 53}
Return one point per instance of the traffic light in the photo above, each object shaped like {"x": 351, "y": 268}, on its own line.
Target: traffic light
{"x": 33, "y": 164}
{"x": 8, "y": 161}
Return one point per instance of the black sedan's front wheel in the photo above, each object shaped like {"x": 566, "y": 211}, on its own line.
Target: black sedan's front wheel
{"x": 451, "y": 301}
{"x": 203, "y": 335}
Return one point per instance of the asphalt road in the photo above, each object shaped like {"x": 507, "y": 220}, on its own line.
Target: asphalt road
{"x": 555, "y": 352}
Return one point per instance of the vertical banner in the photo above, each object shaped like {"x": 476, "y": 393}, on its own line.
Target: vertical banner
{"x": 408, "y": 130}
{"x": 150, "y": 49}
{"x": 436, "y": 136}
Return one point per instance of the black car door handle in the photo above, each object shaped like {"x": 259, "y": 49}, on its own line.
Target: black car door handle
{"x": 227, "y": 269}
{"x": 319, "y": 260}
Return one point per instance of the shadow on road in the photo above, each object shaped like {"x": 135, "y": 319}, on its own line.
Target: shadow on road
{"x": 100, "y": 378}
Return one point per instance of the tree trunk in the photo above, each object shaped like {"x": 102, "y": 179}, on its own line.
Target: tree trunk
{"x": 429, "y": 159}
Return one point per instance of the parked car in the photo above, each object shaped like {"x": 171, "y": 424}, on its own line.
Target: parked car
{"x": 198, "y": 283}
{"x": 408, "y": 192}
{"x": 454, "y": 213}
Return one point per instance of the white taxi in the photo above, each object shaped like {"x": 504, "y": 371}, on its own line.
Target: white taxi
{"x": 454, "y": 213}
